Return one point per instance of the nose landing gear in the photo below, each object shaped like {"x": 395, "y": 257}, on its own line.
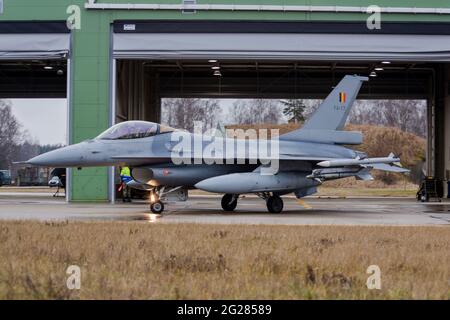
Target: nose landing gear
{"x": 159, "y": 194}
{"x": 157, "y": 207}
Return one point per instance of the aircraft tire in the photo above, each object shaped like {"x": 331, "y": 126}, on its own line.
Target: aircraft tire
{"x": 228, "y": 204}
{"x": 275, "y": 204}
{"x": 157, "y": 207}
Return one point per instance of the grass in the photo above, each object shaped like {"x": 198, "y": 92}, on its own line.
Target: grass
{"x": 362, "y": 189}
{"x": 8, "y": 189}
{"x": 324, "y": 191}
{"x": 130, "y": 260}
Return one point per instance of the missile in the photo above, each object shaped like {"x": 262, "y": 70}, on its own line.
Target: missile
{"x": 337, "y": 173}
{"x": 254, "y": 182}
{"x": 355, "y": 162}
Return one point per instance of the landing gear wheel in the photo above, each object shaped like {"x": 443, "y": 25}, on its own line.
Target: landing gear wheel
{"x": 229, "y": 202}
{"x": 424, "y": 197}
{"x": 157, "y": 207}
{"x": 274, "y": 204}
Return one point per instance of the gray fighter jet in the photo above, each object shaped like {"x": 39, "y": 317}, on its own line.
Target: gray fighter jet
{"x": 169, "y": 162}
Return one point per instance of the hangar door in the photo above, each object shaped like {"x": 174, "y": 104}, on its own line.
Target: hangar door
{"x": 31, "y": 53}
{"x": 40, "y": 40}
{"x": 281, "y": 40}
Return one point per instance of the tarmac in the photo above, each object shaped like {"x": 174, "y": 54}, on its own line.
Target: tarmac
{"x": 250, "y": 210}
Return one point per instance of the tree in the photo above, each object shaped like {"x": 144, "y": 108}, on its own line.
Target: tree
{"x": 181, "y": 113}
{"x": 407, "y": 115}
{"x": 255, "y": 111}
{"x": 294, "y": 109}
{"x": 10, "y": 134}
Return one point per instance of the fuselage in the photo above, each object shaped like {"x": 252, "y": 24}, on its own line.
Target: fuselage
{"x": 182, "y": 158}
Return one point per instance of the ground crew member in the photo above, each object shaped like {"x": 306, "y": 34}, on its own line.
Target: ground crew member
{"x": 125, "y": 177}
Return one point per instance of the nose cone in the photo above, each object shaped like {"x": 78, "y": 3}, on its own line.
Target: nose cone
{"x": 70, "y": 156}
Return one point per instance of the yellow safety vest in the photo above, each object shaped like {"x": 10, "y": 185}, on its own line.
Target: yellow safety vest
{"x": 125, "y": 172}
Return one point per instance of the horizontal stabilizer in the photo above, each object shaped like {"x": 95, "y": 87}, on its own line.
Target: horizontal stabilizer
{"x": 304, "y": 192}
{"x": 364, "y": 174}
{"x": 389, "y": 168}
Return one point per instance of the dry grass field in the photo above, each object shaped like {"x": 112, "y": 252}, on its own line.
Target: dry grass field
{"x": 130, "y": 260}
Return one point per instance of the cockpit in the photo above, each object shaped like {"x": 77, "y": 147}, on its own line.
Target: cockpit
{"x": 134, "y": 130}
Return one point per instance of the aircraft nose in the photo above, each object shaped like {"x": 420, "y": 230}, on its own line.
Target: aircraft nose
{"x": 64, "y": 157}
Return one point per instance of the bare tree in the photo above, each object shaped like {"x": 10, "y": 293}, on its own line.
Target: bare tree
{"x": 183, "y": 112}
{"x": 10, "y": 134}
{"x": 255, "y": 111}
{"x": 407, "y": 115}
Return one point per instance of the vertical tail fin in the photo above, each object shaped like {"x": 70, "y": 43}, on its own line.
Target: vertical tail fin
{"x": 333, "y": 111}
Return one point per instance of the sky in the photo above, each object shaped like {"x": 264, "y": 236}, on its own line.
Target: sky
{"x": 44, "y": 119}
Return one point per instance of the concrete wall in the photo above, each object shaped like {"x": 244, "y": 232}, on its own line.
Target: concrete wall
{"x": 90, "y": 60}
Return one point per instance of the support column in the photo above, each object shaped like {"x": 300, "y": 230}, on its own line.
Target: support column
{"x": 430, "y": 154}
{"x": 446, "y": 145}
{"x": 441, "y": 124}
{"x": 90, "y": 102}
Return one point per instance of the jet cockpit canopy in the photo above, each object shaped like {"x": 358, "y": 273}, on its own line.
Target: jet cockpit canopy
{"x": 133, "y": 130}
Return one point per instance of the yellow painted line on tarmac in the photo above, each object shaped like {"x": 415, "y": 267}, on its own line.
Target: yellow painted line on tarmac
{"x": 304, "y": 204}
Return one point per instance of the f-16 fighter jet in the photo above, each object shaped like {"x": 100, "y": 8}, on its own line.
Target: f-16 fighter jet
{"x": 169, "y": 162}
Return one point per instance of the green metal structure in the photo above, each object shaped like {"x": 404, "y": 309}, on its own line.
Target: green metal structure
{"x": 90, "y": 65}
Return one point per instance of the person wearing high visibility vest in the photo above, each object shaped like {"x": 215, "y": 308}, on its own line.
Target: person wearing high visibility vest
{"x": 125, "y": 177}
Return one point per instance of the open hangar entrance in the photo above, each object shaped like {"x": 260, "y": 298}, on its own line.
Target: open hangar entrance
{"x": 33, "y": 59}
{"x": 35, "y": 63}
{"x": 281, "y": 60}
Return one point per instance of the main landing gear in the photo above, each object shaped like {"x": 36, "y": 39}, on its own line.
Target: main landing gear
{"x": 229, "y": 202}
{"x": 274, "y": 203}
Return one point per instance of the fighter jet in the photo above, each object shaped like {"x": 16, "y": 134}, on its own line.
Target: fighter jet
{"x": 169, "y": 162}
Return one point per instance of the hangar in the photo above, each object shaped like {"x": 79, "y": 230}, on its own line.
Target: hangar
{"x": 122, "y": 59}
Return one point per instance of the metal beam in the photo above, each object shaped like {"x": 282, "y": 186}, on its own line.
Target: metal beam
{"x": 249, "y": 7}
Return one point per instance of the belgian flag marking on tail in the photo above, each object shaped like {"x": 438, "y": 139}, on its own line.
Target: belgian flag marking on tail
{"x": 342, "y": 97}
